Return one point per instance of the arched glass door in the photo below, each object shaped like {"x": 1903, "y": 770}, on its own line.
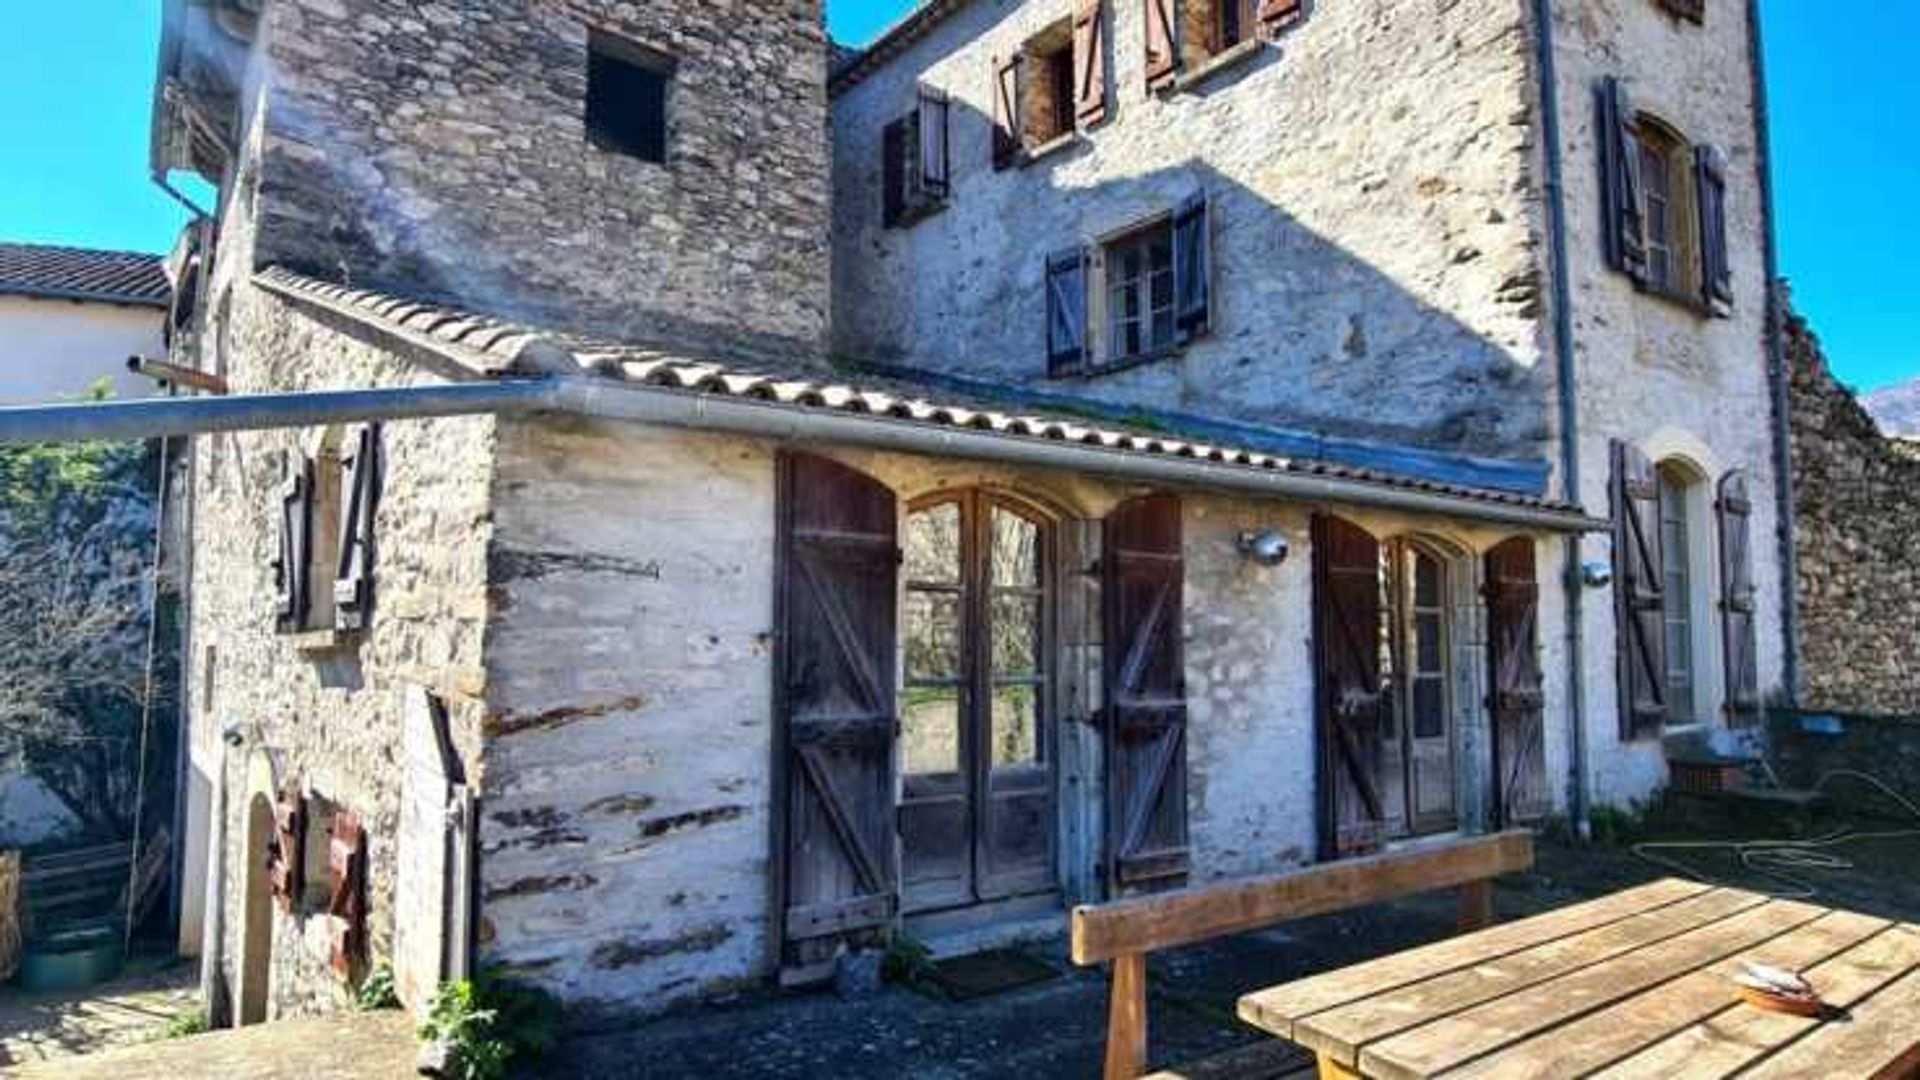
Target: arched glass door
{"x": 1417, "y": 718}
{"x": 976, "y": 797}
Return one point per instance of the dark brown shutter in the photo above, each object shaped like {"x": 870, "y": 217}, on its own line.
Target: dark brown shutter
{"x": 290, "y": 570}
{"x": 353, "y": 580}
{"x": 1142, "y": 580}
{"x": 934, "y": 159}
{"x": 1192, "y": 267}
{"x": 1738, "y": 639}
{"x": 347, "y": 902}
{"x": 1513, "y": 652}
{"x": 1089, "y": 64}
{"x": 1006, "y": 109}
{"x": 1346, "y": 640}
{"x": 286, "y": 860}
{"x": 1639, "y": 584}
{"x": 839, "y": 565}
{"x": 1066, "y": 311}
{"x": 894, "y": 147}
{"x": 1276, "y": 15}
{"x": 1623, "y": 231}
{"x": 1163, "y": 60}
{"x": 1710, "y": 193}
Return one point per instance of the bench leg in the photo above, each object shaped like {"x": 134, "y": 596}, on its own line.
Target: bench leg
{"x": 1476, "y": 906}
{"x": 1127, "y": 1018}
{"x": 1333, "y": 1070}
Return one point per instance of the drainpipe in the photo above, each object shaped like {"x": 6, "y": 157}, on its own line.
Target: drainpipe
{"x": 1562, "y": 302}
{"x": 1778, "y": 374}
{"x": 213, "y": 982}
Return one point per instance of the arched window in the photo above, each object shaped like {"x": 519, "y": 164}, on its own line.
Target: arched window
{"x": 1666, "y": 195}
{"x": 975, "y": 756}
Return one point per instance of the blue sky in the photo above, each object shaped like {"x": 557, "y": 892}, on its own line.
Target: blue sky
{"x": 77, "y": 77}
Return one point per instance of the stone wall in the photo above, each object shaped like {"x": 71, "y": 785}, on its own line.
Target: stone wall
{"x": 1374, "y": 221}
{"x": 1807, "y": 748}
{"x": 1857, "y": 541}
{"x": 1679, "y": 384}
{"x": 315, "y": 710}
{"x": 440, "y": 149}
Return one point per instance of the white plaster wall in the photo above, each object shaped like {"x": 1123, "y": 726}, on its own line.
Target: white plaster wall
{"x": 53, "y": 349}
{"x": 1650, "y": 371}
{"x": 1374, "y": 221}
{"x": 626, "y": 826}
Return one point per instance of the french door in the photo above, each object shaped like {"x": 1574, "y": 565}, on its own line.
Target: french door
{"x": 976, "y": 756}
{"x": 1417, "y": 730}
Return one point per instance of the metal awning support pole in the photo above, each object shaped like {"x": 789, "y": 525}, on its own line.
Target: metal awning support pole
{"x": 166, "y": 417}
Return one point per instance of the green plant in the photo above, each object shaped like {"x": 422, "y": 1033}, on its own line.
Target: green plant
{"x": 193, "y": 1023}
{"x": 377, "y": 991}
{"x": 1613, "y": 826}
{"x": 489, "y": 1021}
{"x": 906, "y": 961}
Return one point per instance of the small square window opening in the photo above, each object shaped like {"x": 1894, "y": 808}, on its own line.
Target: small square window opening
{"x": 627, "y": 87}
{"x": 1048, "y": 95}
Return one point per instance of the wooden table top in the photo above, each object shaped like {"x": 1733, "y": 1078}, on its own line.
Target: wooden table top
{"x": 1636, "y": 984}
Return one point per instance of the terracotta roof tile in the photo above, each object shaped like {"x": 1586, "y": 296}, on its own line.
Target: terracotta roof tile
{"x": 497, "y": 348}
{"x": 116, "y": 277}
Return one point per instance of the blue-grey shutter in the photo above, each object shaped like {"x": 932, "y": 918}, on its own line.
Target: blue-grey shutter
{"x": 1192, "y": 267}
{"x": 1066, "y": 311}
{"x": 296, "y": 532}
{"x": 1710, "y": 192}
{"x": 934, "y": 160}
{"x": 1623, "y": 230}
{"x": 1639, "y": 586}
{"x": 893, "y": 173}
{"x": 353, "y": 578}
{"x": 1737, "y": 609}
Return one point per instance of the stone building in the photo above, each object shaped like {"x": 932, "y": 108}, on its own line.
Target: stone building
{"x": 1148, "y": 441}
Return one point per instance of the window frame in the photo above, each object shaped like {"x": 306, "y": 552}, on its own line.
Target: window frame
{"x": 906, "y": 195}
{"x": 1658, "y": 143}
{"x": 607, "y": 47}
{"x": 1046, "y": 64}
{"x": 1680, "y": 583}
{"x": 1137, "y": 238}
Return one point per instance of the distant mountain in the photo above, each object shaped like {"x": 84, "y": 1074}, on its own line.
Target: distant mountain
{"x": 1896, "y": 408}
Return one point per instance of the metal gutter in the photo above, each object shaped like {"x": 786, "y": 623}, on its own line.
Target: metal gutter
{"x": 1567, "y": 373}
{"x": 83, "y": 296}
{"x": 611, "y": 400}
{"x": 1777, "y": 373}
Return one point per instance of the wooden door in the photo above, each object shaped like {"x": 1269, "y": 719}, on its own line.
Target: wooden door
{"x": 1348, "y": 647}
{"x": 1146, "y": 705}
{"x": 835, "y": 713}
{"x": 1513, "y": 648}
{"x": 976, "y": 791}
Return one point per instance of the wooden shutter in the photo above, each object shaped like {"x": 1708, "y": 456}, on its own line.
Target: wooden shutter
{"x": 1710, "y": 194}
{"x": 1347, "y": 642}
{"x": 934, "y": 171}
{"x": 353, "y": 580}
{"x": 1163, "y": 59}
{"x": 1006, "y": 107}
{"x": 1192, "y": 267}
{"x": 1513, "y": 647}
{"x": 347, "y": 903}
{"x": 296, "y": 533}
{"x": 1089, "y": 64}
{"x": 839, "y": 565}
{"x": 894, "y": 146}
{"x": 286, "y": 860}
{"x": 1276, "y": 15}
{"x": 1738, "y": 639}
{"x": 1066, "y": 311}
{"x": 1622, "y": 228}
{"x": 1639, "y": 585}
{"x": 1142, "y": 573}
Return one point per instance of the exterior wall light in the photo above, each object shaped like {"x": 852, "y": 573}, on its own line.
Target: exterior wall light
{"x": 1268, "y": 547}
{"x": 1596, "y": 574}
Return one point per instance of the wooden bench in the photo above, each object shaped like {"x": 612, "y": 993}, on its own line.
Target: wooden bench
{"x": 1125, "y": 931}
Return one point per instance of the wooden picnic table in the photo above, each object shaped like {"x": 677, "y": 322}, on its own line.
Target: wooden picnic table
{"x": 1636, "y": 984}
